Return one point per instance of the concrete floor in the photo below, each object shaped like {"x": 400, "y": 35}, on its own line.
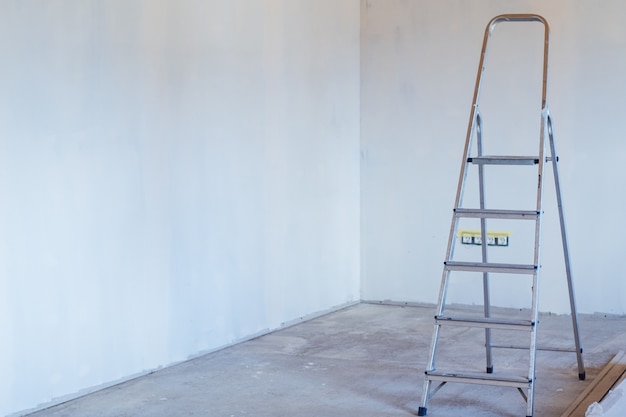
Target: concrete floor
{"x": 365, "y": 361}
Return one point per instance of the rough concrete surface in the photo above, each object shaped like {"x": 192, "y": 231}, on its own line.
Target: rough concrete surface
{"x": 366, "y": 361}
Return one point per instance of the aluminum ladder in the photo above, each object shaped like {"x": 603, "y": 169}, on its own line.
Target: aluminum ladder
{"x": 526, "y": 383}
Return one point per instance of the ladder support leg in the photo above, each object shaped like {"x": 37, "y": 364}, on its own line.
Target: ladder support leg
{"x": 487, "y": 313}
{"x": 426, "y": 394}
{"x": 568, "y": 271}
{"x": 483, "y": 236}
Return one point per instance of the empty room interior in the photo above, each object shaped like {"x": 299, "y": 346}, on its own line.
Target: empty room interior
{"x": 243, "y": 207}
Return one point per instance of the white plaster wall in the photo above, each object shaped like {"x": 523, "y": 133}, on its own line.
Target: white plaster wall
{"x": 419, "y": 62}
{"x": 174, "y": 176}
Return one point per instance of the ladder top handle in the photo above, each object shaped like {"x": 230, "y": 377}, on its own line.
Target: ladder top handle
{"x": 517, "y": 18}
{"x": 523, "y": 18}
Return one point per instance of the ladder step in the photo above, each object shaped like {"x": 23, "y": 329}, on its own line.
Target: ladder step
{"x": 486, "y": 323}
{"x": 503, "y": 160}
{"x": 479, "y": 378}
{"x": 497, "y": 213}
{"x": 490, "y": 267}
{"x": 546, "y": 348}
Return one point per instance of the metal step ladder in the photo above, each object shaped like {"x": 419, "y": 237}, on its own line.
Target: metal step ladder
{"x": 524, "y": 383}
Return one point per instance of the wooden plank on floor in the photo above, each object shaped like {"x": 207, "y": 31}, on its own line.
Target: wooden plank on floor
{"x": 622, "y": 379}
{"x": 610, "y": 376}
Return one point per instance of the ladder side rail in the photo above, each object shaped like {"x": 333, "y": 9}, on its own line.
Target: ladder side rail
{"x": 537, "y": 261}
{"x": 471, "y": 125}
{"x": 483, "y": 236}
{"x": 426, "y": 393}
{"x": 568, "y": 270}
{"x": 452, "y": 237}
{"x": 443, "y": 289}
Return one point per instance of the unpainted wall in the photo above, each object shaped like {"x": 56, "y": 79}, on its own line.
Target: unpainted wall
{"x": 174, "y": 176}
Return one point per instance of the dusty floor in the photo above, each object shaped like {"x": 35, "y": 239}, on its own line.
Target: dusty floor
{"x": 365, "y": 361}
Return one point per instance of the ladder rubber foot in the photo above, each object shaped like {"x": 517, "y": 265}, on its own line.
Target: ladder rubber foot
{"x": 421, "y": 411}
{"x": 490, "y": 369}
{"x": 581, "y": 376}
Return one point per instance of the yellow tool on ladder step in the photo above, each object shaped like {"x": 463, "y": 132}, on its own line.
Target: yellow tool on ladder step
{"x": 474, "y": 237}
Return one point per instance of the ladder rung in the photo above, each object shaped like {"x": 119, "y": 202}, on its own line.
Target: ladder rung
{"x": 497, "y": 213}
{"x": 479, "y": 378}
{"x": 545, "y": 348}
{"x": 490, "y": 267}
{"x": 503, "y": 160}
{"x": 486, "y": 322}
